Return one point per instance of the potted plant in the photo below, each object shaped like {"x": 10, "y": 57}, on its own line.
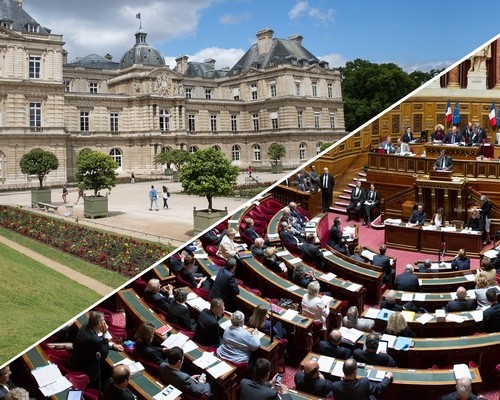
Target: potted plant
{"x": 177, "y": 157}
{"x": 208, "y": 173}
{"x": 39, "y": 162}
{"x": 95, "y": 171}
{"x": 275, "y": 152}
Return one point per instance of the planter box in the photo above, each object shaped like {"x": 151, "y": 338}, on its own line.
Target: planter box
{"x": 277, "y": 168}
{"x": 175, "y": 176}
{"x": 95, "y": 206}
{"x": 40, "y": 195}
{"x": 205, "y": 218}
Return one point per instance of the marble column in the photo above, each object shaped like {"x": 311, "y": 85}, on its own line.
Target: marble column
{"x": 453, "y": 78}
{"x": 497, "y": 64}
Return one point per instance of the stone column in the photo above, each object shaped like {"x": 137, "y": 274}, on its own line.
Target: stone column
{"x": 497, "y": 64}
{"x": 453, "y": 78}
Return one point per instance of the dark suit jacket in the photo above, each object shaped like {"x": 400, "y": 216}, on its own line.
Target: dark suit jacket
{"x": 83, "y": 357}
{"x": 298, "y": 217}
{"x": 375, "y": 195}
{"x": 417, "y": 218}
{"x": 312, "y": 254}
{"x": 251, "y": 390}
{"x": 407, "y": 282}
{"x": 179, "y": 314}
{"x": 358, "y": 389}
{"x": 273, "y": 265}
{"x": 208, "y": 331}
{"x": 407, "y": 137}
{"x": 330, "y": 183}
{"x": 391, "y": 305}
{"x": 358, "y": 197}
{"x": 257, "y": 251}
{"x": 453, "y": 396}
{"x": 458, "y": 264}
{"x": 461, "y": 305}
{"x": 182, "y": 381}
{"x": 288, "y": 237}
{"x": 3, "y": 391}
{"x": 334, "y": 236}
{"x": 327, "y": 349}
{"x": 188, "y": 276}
{"x": 150, "y": 353}
{"x": 382, "y": 359}
{"x": 448, "y": 162}
{"x": 251, "y": 234}
{"x": 491, "y": 319}
{"x": 160, "y": 300}
{"x": 448, "y": 137}
{"x": 316, "y": 387}
{"x": 111, "y": 392}
{"x": 225, "y": 287}
{"x": 385, "y": 263}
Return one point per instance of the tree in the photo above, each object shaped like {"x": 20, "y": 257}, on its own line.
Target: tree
{"x": 177, "y": 157}
{"x": 208, "y": 173}
{"x": 275, "y": 152}
{"x": 38, "y": 162}
{"x": 95, "y": 170}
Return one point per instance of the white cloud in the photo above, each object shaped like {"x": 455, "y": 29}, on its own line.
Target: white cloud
{"x": 222, "y": 57}
{"x": 302, "y": 8}
{"x": 426, "y": 67}
{"x": 334, "y": 60}
{"x": 298, "y": 9}
{"x": 234, "y": 19}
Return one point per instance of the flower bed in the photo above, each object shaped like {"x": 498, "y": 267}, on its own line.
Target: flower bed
{"x": 122, "y": 254}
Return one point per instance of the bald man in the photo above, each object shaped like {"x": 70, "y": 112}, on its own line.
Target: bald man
{"x": 117, "y": 386}
{"x": 463, "y": 391}
{"x": 311, "y": 381}
{"x": 461, "y": 303}
{"x": 333, "y": 346}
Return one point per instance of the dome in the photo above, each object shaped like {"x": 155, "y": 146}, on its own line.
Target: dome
{"x": 142, "y": 53}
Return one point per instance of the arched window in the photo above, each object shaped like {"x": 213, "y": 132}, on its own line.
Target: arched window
{"x": 318, "y": 147}
{"x": 302, "y": 151}
{"x": 116, "y": 154}
{"x": 193, "y": 149}
{"x": 235, "y": 153}
{"x": 216, "y": 147}
{"x": 256, "y": 152}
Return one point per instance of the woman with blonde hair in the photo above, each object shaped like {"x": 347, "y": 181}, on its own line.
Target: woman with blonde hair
{"x": 397, "y": 326}
{"x": 271, "y": 261}
{"x": 227, "y": 247}
{"x": 259, "y": 321}
{"x": 480, "y": 291}
{"x": 313, "y": 306}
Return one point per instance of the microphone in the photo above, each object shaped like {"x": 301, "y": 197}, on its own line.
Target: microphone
{"x": 98, "y": 355}
{"x": 271, "y": 320}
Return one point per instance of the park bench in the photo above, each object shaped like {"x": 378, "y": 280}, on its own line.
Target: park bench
{"x": 47, "y": 206}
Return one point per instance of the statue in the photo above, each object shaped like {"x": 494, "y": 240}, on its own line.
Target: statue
{"x": 478, "y": 60}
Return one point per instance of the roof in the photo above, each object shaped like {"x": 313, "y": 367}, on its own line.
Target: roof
{"x": 10, "y": 10}
{"x": 94, "y": 61}
{"x": 203, "y": 70}
{"x": 142, "y": 53}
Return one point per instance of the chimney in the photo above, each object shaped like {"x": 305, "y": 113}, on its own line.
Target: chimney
{"x": 181, "y": 64}
{"x": 19, "y": 3}
{"x": 296, "y": 39}
{"x": 108, "y": 57}
{"x": 210, "y": 62}
{"x": 65, "y": 56}
{"x": 264, "y": 40}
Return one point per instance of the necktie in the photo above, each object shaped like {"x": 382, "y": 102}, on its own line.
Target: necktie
{"x": 325, "y": 181}
{"x": 442, "y": 165}
{"x": 452, "y": 139}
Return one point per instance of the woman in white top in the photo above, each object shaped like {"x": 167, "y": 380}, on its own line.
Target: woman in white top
{"x": 480, "y": 291}
{"x": 313, "y": 306}
{"x": 438, "y": 218}
{"x": 227, "y": 247}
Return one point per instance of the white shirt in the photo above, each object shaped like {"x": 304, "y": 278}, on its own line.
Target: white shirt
{"x": 315, "y": 308}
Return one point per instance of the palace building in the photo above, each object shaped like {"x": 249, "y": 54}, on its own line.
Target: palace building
{"x": 134, "y": 108}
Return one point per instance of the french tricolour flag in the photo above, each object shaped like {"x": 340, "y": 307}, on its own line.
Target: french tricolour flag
{"x": 493, "y": 120}
{"x": 448, "y": 113}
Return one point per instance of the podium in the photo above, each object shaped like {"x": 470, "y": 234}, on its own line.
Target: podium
{"x": 440, "y": 175}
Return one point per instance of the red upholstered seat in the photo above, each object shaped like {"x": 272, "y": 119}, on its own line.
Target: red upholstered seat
{"x": 62, "y": 363}
{"x": 79, "y": 380}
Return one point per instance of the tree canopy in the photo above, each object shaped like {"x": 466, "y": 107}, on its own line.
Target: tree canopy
{"x": 176, "y": 156}
{"x": 38, "y": 162}
{"x": 95, "y": 170}
{"x": 275, "y": 152}
{"x": 208, "y": 173}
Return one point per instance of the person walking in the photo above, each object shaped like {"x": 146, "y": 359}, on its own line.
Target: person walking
{"x": 80, "y": 195}
{"x": 165, "y": 195}
{"x": 132, "y": 178}
{"x": 153, "y": 197}
{"x": 65, "y": 193}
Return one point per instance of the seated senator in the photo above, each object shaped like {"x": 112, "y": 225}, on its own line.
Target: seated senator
{"x": 178, "y": 313}
{"x": 144, "y": 346}
{"x": 461, "y": 303}
{"x": 159, "y": 296}
{"x": 461, "y": 261}
{"x": 370, "y": 356}
{"x": 352, "y": 320}
{"x": 475, "y": 222}
{"x": 418, "y": 216}
{"x": 259, "y": 321}
{"x": 300, "y": 277}
{"x": 208, "y": 332}
{"x": 333, "y": 347}
{"x": 311, "y": 381}
{"x": 271, "y": 261}
{"x": 397, "y": 326}
{"x": 313, "y": 306}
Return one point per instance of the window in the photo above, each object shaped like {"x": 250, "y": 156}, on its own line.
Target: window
{"x": 253, "y": 89}
{"x": 297, "y": 88}
{"x": 34, "y": 66}
{"x": 272, "y": 89}
{"x": 191, "y": 122}
{"x": 330, "y": 90}
{"x": 35, "y": 115}
{"x": 318, "y": 147}
{"x": 302, "y": 151}
{"x": 2, "y": 158}
{"x": 32, "y": 28}
{"x": 216, "y": 147}
{"x": 189, "y": 93}
{"x": 84, "y": 121}
{"x": 235, "y": 153}
{"x": 234, "y": 123}
{"x": 300, "y": 119}
{"x": 314, "y": 88}
{"x": 208, "y": 94}
{"x": 93, "y": 87}
{"x": 316, "y": 119}
{"x": 66, "y": 86}
{"x": 256, "y": 152}
{"x": 116, "y": 154}
{"x": 6, "y": 24}
{"x": 274, "y": 120}
{"x": 166, "y": 149}
{"x": 193, "y": 149}
{"x": 236, "y": 93}
{"x": 255, "y": 122}
{"x": 213, "y": 123}
{"x": 164, "y": 120}
{"x": 113, "y": 121}
{"x": 332, "y": 120}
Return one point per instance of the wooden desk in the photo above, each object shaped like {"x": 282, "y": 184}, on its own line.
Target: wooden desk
{"x": 162, "y": 273}
{"x": 454, "y": 151}
{"x": 402, "y": 237}
{"x": 272, "y": 229}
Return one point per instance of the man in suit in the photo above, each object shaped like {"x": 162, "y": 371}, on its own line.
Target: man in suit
{"x": 358, "y": 195}
{"x": 6, "y": 385}
{"x": 407, "y": 136}
{"x": 426, "y": 266}
{"x": 287, "y": 236}
{"x": 335, "y": 233}
{"x": 249, "y": 230}
{"x": 297, "y": 217}
{"x": 387, "y": 145}
{"x": 453, "y": 136}
{"x": 443, "y": 162}
{"x": 171, "y": 374}
{"x": 208, "y": 331}
{"x": 406, "y": 281}
{"x": 158, "y": 296}
{"x": 478, "y": 135}
{"x": 311, "y": 253}
{"x": 178, "y": 312}
{"x": 463, "y": 392}
{"x": 313, "y": 178}
{"x": 117, "y": 386}
{"x": 225, "y": 286}
{"x": 370, "y": 356}
{"x": 461, "y": 303}
{"x": 383, "y": 261}
{"x": 333, "y": 346}
{"x": 491, "y": 315}
{"x": 467, "y": 133}
{"x": 213, "y": 237}
{"x": 390, "y": 302}
{"x": 372, "y": 201}
{"x": 311, "y": 381}
{"x": 326, "y": 184}
{"x": 260, "y": 387}
{"x": 350, "y": 387}
{"x": 257, "y": 248}
{"x": 91, "y": 349}
{"x": 418, "y": 216}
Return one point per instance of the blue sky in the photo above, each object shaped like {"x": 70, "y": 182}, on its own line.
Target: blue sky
{"x": 413, "y": 34}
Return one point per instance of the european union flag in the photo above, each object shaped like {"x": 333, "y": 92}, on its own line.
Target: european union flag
{"x": 498, "y": 117}
{"x": 456, "y": 114}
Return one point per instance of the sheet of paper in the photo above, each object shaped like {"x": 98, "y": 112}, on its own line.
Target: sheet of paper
{"x": 337, "y": 369}
{"x": 471, "y": 294}
{"x": 328, "y": 277}
{"x": 282, "y": 253}
{"x": 206, "y": 360}
{"x": 354, "y": 287}
{"x": 273, "y": 236}
{"x": 390, "y": 339}
{"x": 293, "y": 288}
{"x": 169, "y": 393}
{"x": 192, "y": 295}
{"x": 419, "y": 296}
{"x": 455, "y": 318}
{"x": 189, "y": 346}
{"x": 289, "y": 315}
{"x": 58, "y": 386}
{"x": 477, "y": 315}
{"x": 199, "y": 303}
{"x": 326, "y": 299}
{"x": 491, "y": 253}
{"x": 461, "y": 371}
{"x": 295, "y": 260}
{"x": 372, "y": 313}
{"x": 470, "y": 277}
{"x": 424, "y": 318}
{"x": 325, "y": 363}
{"x": 176, "y": 339}
{"x": 219, "y": 369}
{"x": 232, "y": 221}
{"x": 46, "y": 374}
{"x": 453, "y": 295}
{"x": 226, "y": 324}
{"x": 200, "y": 255}
{"x": 407, "y": 296}
{"x": 327, "y": 253}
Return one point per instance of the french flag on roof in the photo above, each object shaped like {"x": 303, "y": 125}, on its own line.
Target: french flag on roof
{"x": 492, "y": 116}
{"x": 448, "y": 114}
